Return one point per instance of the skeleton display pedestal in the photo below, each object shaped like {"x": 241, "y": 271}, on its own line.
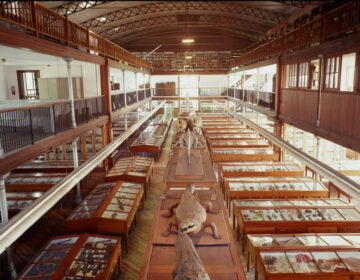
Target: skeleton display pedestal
{"x": 192, "y": 170}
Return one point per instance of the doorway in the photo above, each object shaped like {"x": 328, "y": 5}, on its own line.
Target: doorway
{"x": 28, "y": 84}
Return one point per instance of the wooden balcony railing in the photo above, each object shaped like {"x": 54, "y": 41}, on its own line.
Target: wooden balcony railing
{"x": 339, "y": 22}
{"x": 45, "y": 23}
{"x": 24, "y": 126}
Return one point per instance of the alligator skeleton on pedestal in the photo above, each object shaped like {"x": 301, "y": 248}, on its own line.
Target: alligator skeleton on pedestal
{"x": 190, "y": 214}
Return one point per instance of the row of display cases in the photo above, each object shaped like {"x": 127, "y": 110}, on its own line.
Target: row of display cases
{"x": 273, "y": 188}
{"x": 214, "y": 106}
{"x": 133, "y": 169}
{"x": 241, "y": 204}
{"x": 253, "y": 143}
{"x": 243, "y": 154}
{"x": 258, "y": 169}
{"x": 76, "y": 256}
{"x": 222, "y": 126}
{"x": 47, "y": 166}
{"x": 150, "y": 141}
{"x": 110, "y": 208}
{"x": 32, "y": 182}
{"x": 259, "y": 243}
{"x": 125, "y": 121}
{"x": 300, "y": 219}
{"x": 245, "y": 135}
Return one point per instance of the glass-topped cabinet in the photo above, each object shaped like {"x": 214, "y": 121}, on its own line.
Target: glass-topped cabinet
{"x": 82, "y": 256}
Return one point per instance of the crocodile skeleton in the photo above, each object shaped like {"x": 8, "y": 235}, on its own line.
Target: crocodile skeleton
{"x": 190, "y": 214}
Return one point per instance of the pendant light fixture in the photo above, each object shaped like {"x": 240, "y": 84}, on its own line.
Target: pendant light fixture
{"x": 188, "y": 39}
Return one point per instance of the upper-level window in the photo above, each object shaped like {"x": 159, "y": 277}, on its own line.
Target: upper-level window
{"x": 303, "y": 74}
{"x": 291, "y": 75}
{"x": 347, "y": 72}
{"x": 332, "y": 72}
{"x": 315, "y": 68}
{"x": 28, "y": 85}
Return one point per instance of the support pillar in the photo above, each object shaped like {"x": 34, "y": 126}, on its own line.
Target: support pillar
{"x": 73, "y": 120}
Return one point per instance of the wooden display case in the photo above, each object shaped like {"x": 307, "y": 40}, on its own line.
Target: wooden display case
{"x": 32, "y": 182}
{"x": 273, "y": 187}
{"x": 254, "y": 143}
{"x": 47, "y": 166}
{"x": 223, "y": 126}
{"x": 83, "y": 256}
{"x": 229, "y": 131}
{"x": 133, "y": 169}
{"x": 243, "y": 154}
{"x": 301, "y": 219}
{"x": 240, "y": 204}
{"x": 109, "y": 209}
{"x": 17, "y": 201}
{"x": 161, "y": 119}
{"x": 125, "y": 121}
{"x": 212, "y": 106}
{"x": 258, "y": 169}
{"x": 312, "y": 264}
{"x": 297, "y": 242}
{"x": 245, "y": 135}
{"x": 150, "y": 141}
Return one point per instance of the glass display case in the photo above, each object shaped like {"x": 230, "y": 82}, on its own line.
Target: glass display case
{"x": 243, "y": 154}
{"x": 298, "y": 242}
{"x": 133, "y": 169}
{"x": 151, "y": 140}
{"x": 109, "y": 209}
{"x": 244, "y": 135}
{"x": 309, "y": 264}
{"x": 279, "y": 188}
{"x": 82, "y": 256}
{"x": 293, "y": 219}
{"x": 32, "y": 182}
{"x": 238, "y": 144}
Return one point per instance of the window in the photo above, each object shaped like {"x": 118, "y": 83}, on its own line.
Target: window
{"x": 28, "y": 85}
{"x": 291, "y": 75}
{"x": 303, "y": 74}
{"x": 347, "y": 72}
{"x": 332, "y": 72}
{"x": 315, "y": 66}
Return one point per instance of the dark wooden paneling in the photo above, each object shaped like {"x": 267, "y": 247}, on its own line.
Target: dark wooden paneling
{"x": 301, "y": 105}
{"x": 339, "y": 113}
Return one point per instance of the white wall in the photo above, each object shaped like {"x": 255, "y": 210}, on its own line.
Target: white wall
{"x": 89, "y": 72}
{"x": 205, "y": 81}
{"x": 3, "y": 87}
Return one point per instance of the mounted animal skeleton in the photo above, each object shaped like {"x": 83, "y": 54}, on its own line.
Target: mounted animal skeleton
{"x": 188, "y": 262}
{"x": 189, "y": 140}
{"x": 190, "y": 214}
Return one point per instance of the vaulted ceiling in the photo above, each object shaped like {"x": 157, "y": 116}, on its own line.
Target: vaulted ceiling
{"x": 153, "y": 30}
